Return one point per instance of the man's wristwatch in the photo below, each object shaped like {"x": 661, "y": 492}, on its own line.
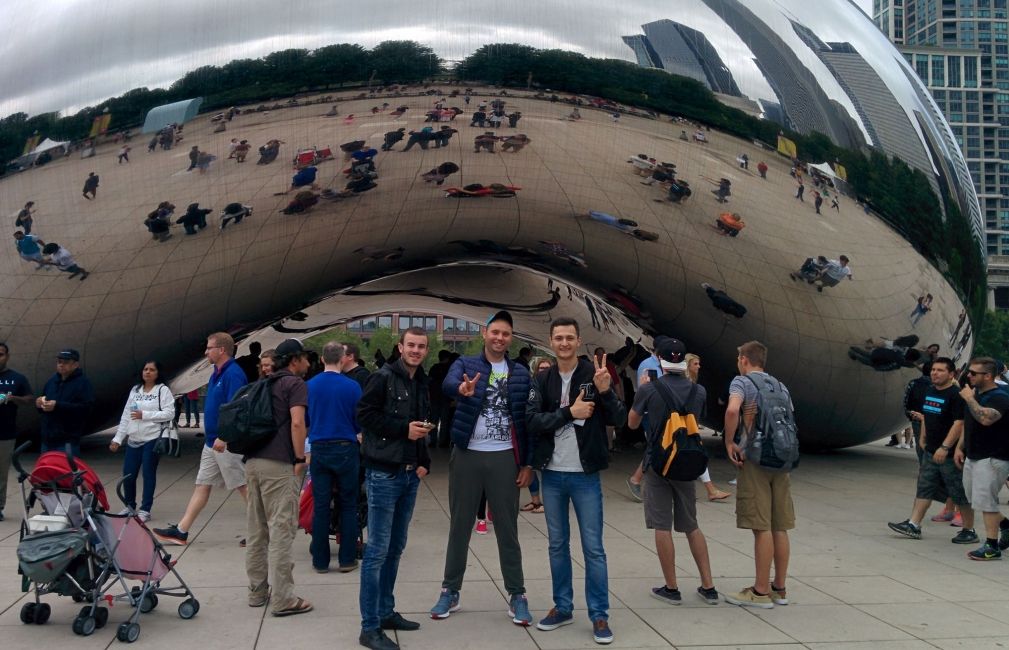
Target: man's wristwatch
{"x": 299, "y": 461}
{"x": 945, "y": 447}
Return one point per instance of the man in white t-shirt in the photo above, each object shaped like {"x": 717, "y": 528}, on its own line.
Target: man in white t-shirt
{"x": 491, "y": 456}
{"x": 570, "y": 406}
{"x": 64, "y": 261}
{"x": 834, "y": 272}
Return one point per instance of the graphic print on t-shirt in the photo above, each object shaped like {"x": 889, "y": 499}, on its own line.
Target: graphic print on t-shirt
{"x": 934, "y": 404}
{"x": 497, "y": 419}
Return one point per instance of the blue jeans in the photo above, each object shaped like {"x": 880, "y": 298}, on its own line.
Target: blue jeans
{"x": 75, "y": 447}
{"x": 135, "y": 459}
{"x": 192, "y": 409}
{"x": 391, "y": 498}
{"x": 334, "y": 465}
{"x": 585, "y": 492}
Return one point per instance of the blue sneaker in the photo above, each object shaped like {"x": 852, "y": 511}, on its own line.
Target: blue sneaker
{"x": 601, "y": 632}
{"x": 518, "y": 609}
{"x": 448, "y": 602}
{"x": 554, "y": 620}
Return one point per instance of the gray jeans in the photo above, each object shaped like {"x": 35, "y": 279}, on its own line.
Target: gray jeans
{"x": 470, "y": 474}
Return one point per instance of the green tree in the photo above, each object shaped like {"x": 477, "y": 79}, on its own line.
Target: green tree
{"x": 992, "y": 339}
{"x": 403, "y": 61}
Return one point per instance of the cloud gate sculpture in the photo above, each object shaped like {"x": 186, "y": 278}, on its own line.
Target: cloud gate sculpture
{"x": 580, "y": 217}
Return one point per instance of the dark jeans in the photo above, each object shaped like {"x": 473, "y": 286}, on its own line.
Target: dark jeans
{"x": 192, "y": 407}
{"x": 75, "y": 447}
{"x": 137, "y": 458}
{"x": 391, "y": 498}
{"x": 334, "y": 464}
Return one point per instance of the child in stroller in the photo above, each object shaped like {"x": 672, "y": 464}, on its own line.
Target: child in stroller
{"x": 76, "y": 548}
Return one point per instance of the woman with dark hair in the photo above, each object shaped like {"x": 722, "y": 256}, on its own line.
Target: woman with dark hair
{"x": 149, "y": 409}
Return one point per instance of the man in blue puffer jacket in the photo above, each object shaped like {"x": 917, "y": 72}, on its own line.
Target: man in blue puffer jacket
{"x": 492, "y": 456}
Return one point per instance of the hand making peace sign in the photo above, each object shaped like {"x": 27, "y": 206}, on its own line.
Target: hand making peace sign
{"x": 602, "y": 377}
{"x": 468, "y": 386}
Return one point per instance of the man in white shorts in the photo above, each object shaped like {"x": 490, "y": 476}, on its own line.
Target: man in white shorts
{"x": 218, "y": 466}
{"x": 983, "y": 453}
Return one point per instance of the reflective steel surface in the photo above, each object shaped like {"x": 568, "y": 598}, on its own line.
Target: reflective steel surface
{"x": 582, "y": 236}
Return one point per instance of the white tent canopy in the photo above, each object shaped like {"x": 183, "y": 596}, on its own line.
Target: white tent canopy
{"x": 825, "y": 169}
{"x": 47, "y": 145}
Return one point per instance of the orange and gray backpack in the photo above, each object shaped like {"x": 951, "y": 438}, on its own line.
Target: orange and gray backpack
{"x": 678, "y": 453}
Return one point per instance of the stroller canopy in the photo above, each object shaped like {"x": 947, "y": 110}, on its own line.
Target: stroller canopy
{"x": 53, "y": 470}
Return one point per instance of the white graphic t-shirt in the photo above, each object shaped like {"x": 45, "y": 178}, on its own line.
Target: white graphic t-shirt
{"x": 566, "y": 457}
{"x": 493, "y": 430}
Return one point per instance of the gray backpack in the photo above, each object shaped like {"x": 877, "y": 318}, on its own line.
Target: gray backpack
{"x": 773, "y": 444}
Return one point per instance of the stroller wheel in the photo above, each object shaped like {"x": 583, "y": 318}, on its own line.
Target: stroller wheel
{"x": 189, "y": 608}
{"x": 77, "y": 598}
{"x": 28, "y": 613}
{"x": 101, "y": 617}
{"x": 128, "y": 632}
{"x": 84, "y": 625}
{"x": 42, "y": 613}
{"x": 149, "y": 602}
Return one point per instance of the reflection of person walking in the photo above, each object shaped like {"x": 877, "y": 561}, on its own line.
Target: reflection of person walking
{"x": 124, "y": 154}
{"x": 63, "y": 260}
{"x": 798, "y": 192}
{"x": 90, "y": 186}
{"x": 817, "y": 201}
{"x": 24, "y": 220}
{"x": 194, "y": 157}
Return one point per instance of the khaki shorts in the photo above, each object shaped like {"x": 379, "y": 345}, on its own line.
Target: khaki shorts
{"x": 982, "y": 480}
{"x": 669, "y": 505}
{"x": 220, "y": 468}
{"x": 763, "y": 499}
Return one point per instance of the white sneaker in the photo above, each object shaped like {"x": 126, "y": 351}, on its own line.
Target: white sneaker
{"x": 144, "y": 516}
{"x": 123, "y": 512}
{"x": 732, "y": 482}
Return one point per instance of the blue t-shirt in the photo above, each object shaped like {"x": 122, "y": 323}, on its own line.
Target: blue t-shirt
{"x": 224, "y": 383}
{"x": 16, "y": 384}
{"x": 304, "y": 176}
{"x": 332, "y": 401}
{"x": 28, "y": 245}
{"x": 651, "y": 363}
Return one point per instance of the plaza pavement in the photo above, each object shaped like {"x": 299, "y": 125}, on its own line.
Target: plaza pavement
{"x": 852, "y": 583}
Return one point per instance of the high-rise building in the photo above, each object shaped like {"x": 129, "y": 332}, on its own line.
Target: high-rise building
{"x": 681, "y": 50}
{"x": 960, "y": 49}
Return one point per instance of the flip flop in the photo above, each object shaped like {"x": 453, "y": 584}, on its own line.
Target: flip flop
{"x": 539, "y": 510}
{"x": 529, "y": 507}
{"x": 720, "y": 496}
{"x": 301, "y": 606}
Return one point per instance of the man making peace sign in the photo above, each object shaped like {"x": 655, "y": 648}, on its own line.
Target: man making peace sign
{"x": 569, "y": 408}
{"x": 491, "y": 456}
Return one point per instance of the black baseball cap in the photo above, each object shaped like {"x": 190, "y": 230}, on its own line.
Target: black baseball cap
{"x": 289, "y": 347}
{"x": 69, "y": 354}
{"x": 672, "y": 354}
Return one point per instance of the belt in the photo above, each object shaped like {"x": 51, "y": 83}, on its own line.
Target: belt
{"x": 334, "y": 442}
{"x": 409, "y": 468}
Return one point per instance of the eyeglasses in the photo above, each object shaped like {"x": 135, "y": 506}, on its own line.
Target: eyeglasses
{"x": 974, "y": 373}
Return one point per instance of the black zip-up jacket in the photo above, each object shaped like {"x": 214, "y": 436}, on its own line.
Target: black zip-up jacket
{"x": 544, "y": 415}
{"x": 390, "y": 402}
{"x": 74, "y": 398}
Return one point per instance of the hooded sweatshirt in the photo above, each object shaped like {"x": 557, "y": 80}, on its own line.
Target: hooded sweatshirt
{"x": 157, "y": 408}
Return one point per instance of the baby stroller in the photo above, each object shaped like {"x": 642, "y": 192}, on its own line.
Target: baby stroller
{"x": 76, "y": 548}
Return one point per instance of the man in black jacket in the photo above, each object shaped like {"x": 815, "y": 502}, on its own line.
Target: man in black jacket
{"x": 64, "y": 404}
{"x": 568, "y": 411}
{"x": 393, "y": 413}
{"x": 352, "y": 366}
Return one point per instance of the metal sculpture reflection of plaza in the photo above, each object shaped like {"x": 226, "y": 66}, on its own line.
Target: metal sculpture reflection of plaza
{"x": 564, "y": 222}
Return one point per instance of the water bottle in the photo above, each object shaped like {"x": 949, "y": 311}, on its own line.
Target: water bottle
{"x": 135, "y": 407}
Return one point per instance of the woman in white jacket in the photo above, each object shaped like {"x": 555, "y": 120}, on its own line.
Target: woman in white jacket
{"x": 149, "y": 409}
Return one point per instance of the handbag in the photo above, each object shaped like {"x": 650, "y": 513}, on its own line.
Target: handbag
{"x": 168, "y": 442}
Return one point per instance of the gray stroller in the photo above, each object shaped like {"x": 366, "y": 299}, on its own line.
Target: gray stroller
{"x": 75, "y": 548}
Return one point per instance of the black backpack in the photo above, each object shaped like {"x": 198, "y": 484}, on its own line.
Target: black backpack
{"x": 774, "y": 441}
{"x": 678, "y": 454}
{"x": 246, "y": 422}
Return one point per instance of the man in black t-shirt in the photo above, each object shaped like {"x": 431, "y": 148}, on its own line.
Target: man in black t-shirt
{"x": 983, "y": 453}
{"x": 14, "y": 391}
{"x": 938, "y": 475}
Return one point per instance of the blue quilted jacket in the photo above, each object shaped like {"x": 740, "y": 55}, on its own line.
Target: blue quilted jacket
{"x": 467, "y": 410}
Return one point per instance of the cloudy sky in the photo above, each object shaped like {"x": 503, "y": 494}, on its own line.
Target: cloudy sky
{"x": 66, "y": 54}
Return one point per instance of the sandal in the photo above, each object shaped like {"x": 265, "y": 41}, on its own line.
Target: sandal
{"x": 719, "y": 496}
{"x": 539, "y": 509}
{"x": 529, "y": 507}
{"x": 300, "y": 606}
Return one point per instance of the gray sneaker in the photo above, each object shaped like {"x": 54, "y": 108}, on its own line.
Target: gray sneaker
{"x": 448, "y": 602}
{"x": 635, "y": 490}
{"x": 667, "y": 595}
{"x": 906, "y": 528}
